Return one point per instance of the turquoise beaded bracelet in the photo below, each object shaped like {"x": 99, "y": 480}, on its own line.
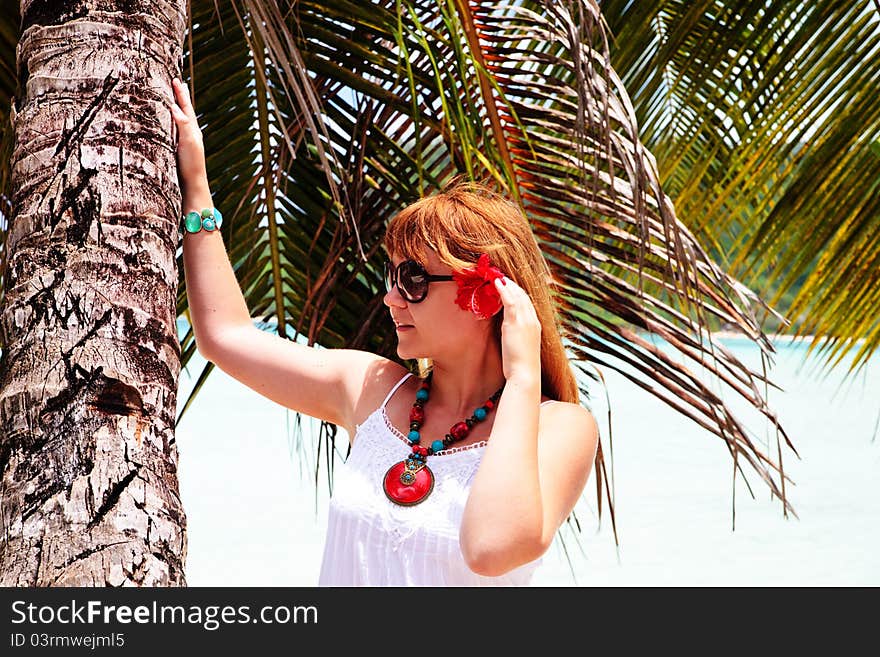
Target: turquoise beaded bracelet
{"x": 209, "y": 219}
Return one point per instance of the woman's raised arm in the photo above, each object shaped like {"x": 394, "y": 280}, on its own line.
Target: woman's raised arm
{"x": 322, "y": 383}
{"x": 216, "y": 303}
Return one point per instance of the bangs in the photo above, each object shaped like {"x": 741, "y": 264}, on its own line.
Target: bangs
{"x": 407, "y": 235}
{"x": 417, "y": 228}
{"x": 456, "y": 234}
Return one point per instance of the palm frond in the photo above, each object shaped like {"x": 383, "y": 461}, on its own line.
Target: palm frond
{"x": 761, "y": 115}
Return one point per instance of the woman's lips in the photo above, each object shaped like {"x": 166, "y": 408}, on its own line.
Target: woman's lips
{"x": 405, "y": 327}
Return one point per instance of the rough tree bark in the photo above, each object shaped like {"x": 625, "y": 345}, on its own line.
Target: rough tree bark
{"x": 89, "y": 370}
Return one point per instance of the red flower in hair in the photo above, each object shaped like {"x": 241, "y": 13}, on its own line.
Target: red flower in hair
{"x": 476, "y": 288}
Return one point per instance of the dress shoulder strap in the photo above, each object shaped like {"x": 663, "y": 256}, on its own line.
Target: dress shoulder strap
{"x": 394, "y": 389}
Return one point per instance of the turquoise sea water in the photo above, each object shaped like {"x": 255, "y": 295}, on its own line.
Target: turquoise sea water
{"x": 257, "y": 518}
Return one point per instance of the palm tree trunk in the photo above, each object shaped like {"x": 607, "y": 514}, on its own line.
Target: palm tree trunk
{"x": 90, "y": 363}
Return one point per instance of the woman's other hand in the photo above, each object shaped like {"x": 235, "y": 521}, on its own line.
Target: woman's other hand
{"x": 520, "y": 333}
{"x": 191, "y": 167}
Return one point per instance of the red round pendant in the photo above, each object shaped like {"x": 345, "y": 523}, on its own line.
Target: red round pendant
{"x": 408, "y": 482}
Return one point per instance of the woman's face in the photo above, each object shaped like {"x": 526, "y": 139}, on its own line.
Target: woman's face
{"x": 437, "y": 326}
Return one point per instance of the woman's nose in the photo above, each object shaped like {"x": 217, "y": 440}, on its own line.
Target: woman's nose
{"x": 393, "y": 298}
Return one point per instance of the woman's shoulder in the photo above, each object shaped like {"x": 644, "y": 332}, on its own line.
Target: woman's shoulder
{"x": 385, "y": 375}
{"x": 375, "y": 384}
{"x": 373, "y": 373}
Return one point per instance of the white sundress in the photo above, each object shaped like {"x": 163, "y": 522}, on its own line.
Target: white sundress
{"x": 371, "y": 541}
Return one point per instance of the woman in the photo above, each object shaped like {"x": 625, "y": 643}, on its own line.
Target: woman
{"x": 460, "y": 476}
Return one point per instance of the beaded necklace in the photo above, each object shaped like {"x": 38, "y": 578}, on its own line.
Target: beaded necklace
{"x": 411, "y": 481}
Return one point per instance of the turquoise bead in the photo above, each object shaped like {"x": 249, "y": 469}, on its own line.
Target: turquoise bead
{"x": 480, "y": 413}
{"x": 437, "y": 446}
{"x": 193, "y": 222}
{"x": 422, "y": 395}
{"x": 218, "y": 218}
{"x": 208, "y": 223}
{"x": 414, "y": 436}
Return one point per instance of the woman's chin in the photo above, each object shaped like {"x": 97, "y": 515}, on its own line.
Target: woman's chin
{"x": 405, "y": 353}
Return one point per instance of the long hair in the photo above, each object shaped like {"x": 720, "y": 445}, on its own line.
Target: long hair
{"x": 468, "y": 219}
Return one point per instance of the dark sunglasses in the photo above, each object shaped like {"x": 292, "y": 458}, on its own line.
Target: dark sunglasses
{"x": 411, "y": 280}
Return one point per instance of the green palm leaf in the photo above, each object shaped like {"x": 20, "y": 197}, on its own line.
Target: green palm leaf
{"x": 761, "y": 115}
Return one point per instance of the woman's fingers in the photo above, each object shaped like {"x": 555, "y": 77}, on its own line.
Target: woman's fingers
{"x": 177, "y": 113}
{"x": 190, "y": 147}
{"x": 508, "y": 290}
{"x": 181, "y": 94}
{"x": 179, "y": 90}
{"x": 175, "y": 104}
{"x": 520, "y": 330}
{"x": 514, "y": 297}
{"x": 183, "y": 113}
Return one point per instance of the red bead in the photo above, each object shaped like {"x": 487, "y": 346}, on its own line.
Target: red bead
{"x": 417, "y": 415}
{"x": 459, "y": 430}
{"x": 489, "y": 404}
{"x": 423, "y": 451}
{"x": 415, "y": 449}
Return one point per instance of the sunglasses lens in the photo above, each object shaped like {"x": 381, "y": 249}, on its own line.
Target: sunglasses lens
{"x": 412, "y": 281}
